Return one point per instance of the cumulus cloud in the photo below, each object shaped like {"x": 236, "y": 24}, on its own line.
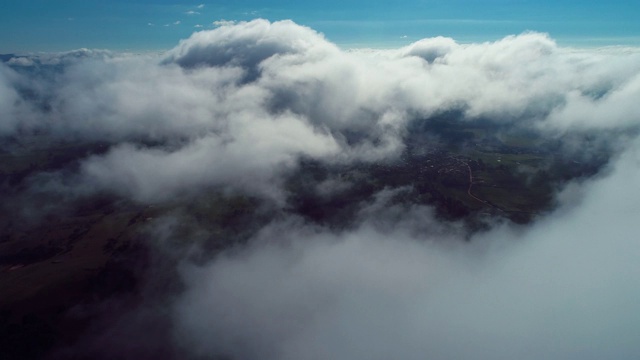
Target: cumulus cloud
{"x": 230, "y": 84}
{"x": 431, "y": 49}
{"x": 245, "y": 45}
{"x": 20, "y": 61}
{"x": 250, "y": 158}
{"x": 613, "y": 109}
{"x": 225, "y": 87}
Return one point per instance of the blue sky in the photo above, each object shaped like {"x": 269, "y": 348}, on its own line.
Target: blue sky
{"x": 143, "y": 25}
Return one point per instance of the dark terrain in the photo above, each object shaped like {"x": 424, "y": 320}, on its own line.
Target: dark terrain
{"x": 67, "y": 264}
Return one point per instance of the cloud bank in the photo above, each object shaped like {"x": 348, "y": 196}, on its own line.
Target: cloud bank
{"x": 239, "y": 106}
{"x": 276, "y": 91}
{"x": 566, "y": 288}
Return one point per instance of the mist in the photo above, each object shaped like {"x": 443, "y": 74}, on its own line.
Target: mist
{"x": 564, "y": 288}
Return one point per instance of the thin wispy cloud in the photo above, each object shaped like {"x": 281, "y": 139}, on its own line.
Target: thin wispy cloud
{"x": 223, "y": 22}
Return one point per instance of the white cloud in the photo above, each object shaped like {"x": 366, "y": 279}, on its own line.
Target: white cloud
{"x": 237, "y": 106}
{"x": 192, "y": 12}
{"x": 223, "y": 22}
{"x": 20, "y": 61}
{"x": 431, "y": 49}
{"x": 280, "y": 69}
{"x": 260, "y": 148}
{"x": 566, "y": 288}
{"x": 201, "y": 6}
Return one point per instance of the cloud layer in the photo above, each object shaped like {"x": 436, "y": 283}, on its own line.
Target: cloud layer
{"x": 275, "y": 91}
{"x": 566, "y": 288}
{"x": 237, "y": 107}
